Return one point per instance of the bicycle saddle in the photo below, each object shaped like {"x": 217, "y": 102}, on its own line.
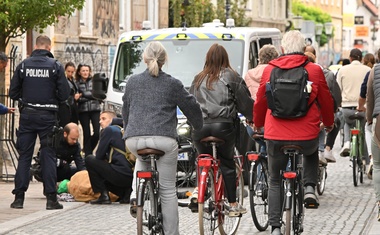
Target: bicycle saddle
{"x": 291, "y": 148}
{"x": 148, "y": 151}
{"x": 210, "y": 139}
{"x": 356, "y": 115}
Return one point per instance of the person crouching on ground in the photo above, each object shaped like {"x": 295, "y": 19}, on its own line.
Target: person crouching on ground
{"x": 109, "y": 169}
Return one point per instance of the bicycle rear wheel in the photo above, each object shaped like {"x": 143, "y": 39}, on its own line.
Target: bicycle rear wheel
{"x": 206, "y": 215}
{"x": 227, "y": 224}
{"x": 298, "y": 207}
{"x": 322, "y": 175}
{"x": 354, "y": 158}
{"x": 147, "y": 215}
{"x": 258, "y": 195}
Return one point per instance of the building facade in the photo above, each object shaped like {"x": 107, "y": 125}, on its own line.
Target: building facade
{"x": 90, "y": 36}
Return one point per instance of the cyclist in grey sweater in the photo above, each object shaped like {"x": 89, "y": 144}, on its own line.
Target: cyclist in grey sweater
{"x": 150, "y": 118}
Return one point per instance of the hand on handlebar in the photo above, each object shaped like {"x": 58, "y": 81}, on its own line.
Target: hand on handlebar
{"x": 329, "y": 128}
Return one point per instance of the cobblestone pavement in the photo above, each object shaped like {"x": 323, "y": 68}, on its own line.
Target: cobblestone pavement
{"x": 344, "y": 209}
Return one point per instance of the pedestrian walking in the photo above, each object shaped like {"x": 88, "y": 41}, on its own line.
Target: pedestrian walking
{"x": 39, "y": 85}
{"x": 372, "y": 116}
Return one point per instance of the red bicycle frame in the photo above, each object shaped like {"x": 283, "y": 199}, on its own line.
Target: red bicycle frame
{"x": 205, "y": 162}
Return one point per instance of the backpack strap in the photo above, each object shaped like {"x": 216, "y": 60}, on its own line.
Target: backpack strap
{"x": 127, "y": 153}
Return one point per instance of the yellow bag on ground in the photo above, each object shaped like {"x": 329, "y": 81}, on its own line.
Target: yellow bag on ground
{"x": 80, "y": 187}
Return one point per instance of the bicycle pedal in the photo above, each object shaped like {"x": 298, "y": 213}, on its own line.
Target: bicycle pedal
{"x": 234, "y": 214}
{"x": 193, "y": 206}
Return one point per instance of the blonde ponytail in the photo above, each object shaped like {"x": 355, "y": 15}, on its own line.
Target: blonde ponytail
{"x": 155, "y": 57}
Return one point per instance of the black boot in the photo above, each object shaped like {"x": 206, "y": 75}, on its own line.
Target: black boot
{"x": 104, "y": 198}
{"x": 18, "y": 203}
{"x": 126, "y": 197}
{"x": 52, "y": 203}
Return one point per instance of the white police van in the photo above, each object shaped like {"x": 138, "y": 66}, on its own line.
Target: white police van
{"x": 187, "y": 48}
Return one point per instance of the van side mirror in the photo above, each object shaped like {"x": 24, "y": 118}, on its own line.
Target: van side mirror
{"x": 99, "y": 86}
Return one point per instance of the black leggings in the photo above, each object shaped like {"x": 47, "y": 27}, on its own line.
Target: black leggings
{"x": 227, "y": 132}
{"x": 331, "y": 136}
{"x": 90, "y": 141}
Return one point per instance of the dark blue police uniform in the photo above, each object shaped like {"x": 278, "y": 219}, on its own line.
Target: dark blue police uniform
{"x": 39, "y": 84}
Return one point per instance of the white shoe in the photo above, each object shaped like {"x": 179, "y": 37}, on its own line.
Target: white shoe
{"x": 329, "y": 156}
{"x": 234, "y": 211}
{"x": 322, "y": 159}
{"x": 346, "y": 149}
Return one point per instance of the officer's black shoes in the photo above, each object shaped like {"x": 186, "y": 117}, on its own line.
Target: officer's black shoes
{"x": 52, "y": 203}
{"x": 18, "y": 203}
{"x": 104, "y": 198}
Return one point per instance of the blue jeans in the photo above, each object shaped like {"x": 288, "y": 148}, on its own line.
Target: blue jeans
{"x": 167, "y": 167}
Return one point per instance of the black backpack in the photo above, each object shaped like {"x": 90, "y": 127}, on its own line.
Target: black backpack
{"x": 288, "y": 91}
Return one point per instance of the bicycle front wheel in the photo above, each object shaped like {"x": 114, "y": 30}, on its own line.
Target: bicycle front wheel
{"x": 227, "y": 224}
{"x": 322, "y": 175}
{"x": 147, "y": 214}
{"x": 258, "y": 195}
{"x": 206, "y": 217}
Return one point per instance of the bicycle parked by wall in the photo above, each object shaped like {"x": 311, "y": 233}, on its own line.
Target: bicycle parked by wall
{"x": 149, "y": 215}
{"x": 293, "y": 191}
{"x": 212, "y": 202}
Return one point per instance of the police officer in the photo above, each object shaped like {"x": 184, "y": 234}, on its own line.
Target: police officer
{"x": 39, "y": 84}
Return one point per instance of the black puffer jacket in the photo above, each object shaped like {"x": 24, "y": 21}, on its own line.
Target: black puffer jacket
{"x": 87, "y": 103}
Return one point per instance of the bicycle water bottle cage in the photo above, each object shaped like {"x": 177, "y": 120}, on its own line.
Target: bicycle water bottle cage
{"x": 355, "y": 132}
{"x": 290, "y": 175}
{"x": 210, "y": 139}
{"x": 291, "y": 149}
{"x": 144, "y": 174}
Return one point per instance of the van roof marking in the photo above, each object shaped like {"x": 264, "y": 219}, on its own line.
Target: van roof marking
{"x": 166, "y": 36}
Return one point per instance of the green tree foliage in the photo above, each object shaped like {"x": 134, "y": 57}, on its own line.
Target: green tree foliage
{"x": 19, "y": 16}
{"x": 314, "y": 14}
{"x": 197, "y": 12}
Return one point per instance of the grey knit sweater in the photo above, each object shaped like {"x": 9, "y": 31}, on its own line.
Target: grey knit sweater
{"x": 150, "y": 106}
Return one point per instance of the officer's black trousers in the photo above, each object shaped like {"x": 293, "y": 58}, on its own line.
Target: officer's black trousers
{"x": 32, "y": 123}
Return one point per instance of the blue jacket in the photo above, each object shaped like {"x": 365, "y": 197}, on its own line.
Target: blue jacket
{"x": 3, "y": 109}
{"x": 110, "y": 137}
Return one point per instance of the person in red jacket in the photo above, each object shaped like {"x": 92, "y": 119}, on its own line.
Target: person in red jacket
{"x": 302, "y": 131}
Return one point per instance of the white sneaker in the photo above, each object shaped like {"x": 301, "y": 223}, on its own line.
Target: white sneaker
{"x": 345, "y": 151}
{"x": 322, "y": 159}
{"x": 329, "y": 156}
{"x": 234, "y": 211}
